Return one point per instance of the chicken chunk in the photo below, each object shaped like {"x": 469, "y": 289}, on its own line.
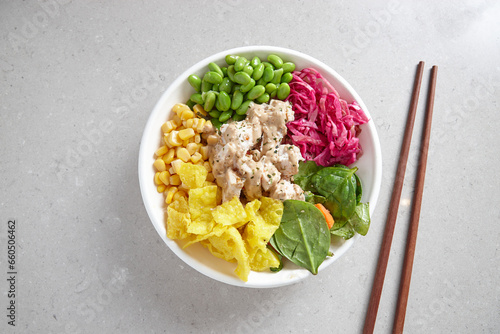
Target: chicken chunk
{"x": 284, "y": 189}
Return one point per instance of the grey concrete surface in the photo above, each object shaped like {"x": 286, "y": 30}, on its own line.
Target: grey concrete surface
{"x": 78, "y": 80}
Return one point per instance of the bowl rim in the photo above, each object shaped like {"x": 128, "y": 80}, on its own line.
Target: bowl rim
{"x": 144, "y": 160}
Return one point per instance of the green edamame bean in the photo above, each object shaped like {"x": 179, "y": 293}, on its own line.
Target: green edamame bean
{"x": 275, "y": 60}
{"x": 231, "y": 59}
{"x": 205, "y": 86}
{"x": 190, "y": 104}
{"x": 241, "y": 62}
{"x": 273, "y": 93}
{"x": 287, "y": 77}
{"x": 226, "y": 85}
{"x": 277, "y": 76}
{"x": 256, "y": 92}
{"x": 216, "y": 123}
{"x": 268, "y": 64}
{"x": 258, "y": 71}
{"x": 238, "y": 118}
{"x": 197, "y": 98}
{"x": 235, "y": 88}
{"x": 268, "y": 74}
{"x": 264, "y": 98}
{"x": 215, "y": 88}
{"x": 242, "y": 110}
{"x": 215, "y": 68}
{"x": 283, "y": 91}
{"x": 248, "y": 70}
{"x": 237, "y": 100}
{"x": 223, "y": 101}
{"x": 214, "y": 113}
{"x": 210, "y": 99}
{"x": 242, "y": 78}
{"x": 288, "y": 67}
{"x": 255, "y": 61}
{"x": 231, "y": 72}
{"x": 213, "y": 77}
{"x": 248, "y": 86}
{"x": 270, "y": 87}
{"x": 195, "y": 82}
{"x": 224, "y": 71}
{"x": 225, "y": 116}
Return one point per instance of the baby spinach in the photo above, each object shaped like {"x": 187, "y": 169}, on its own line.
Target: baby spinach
{"x": 339, "y": 189}
{"x": 303, "y": 235}
{"x": 338, "y": 186}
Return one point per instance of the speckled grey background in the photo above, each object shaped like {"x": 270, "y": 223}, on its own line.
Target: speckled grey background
{"x": 78, "y": 80}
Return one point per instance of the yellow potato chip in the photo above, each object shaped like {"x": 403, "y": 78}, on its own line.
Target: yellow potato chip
{"x": 251, "y": 208}
{"x": 193, "y": 176}
{"x": 180, "y": 204}
{"x": 231, "y": 246}
{"x": 264, "y": 259}
{"x": 201, "y": 202}
{"x": 177, "y": 223}
{"x": 230, "y": 213}
{"x": 271, "y": 210}
{"x": 216, "y": 231}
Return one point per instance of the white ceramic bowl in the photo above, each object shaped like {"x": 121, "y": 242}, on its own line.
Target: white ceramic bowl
{"x": 198, "y": 257}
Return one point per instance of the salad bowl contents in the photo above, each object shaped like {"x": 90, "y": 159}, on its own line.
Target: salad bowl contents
{"x": 267, "y": 164}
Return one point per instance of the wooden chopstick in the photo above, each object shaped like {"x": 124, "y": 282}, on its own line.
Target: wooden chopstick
{"x": 404, "y": 286}
{"x": 385, "y": 249}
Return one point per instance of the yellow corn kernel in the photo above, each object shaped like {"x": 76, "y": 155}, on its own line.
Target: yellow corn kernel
{"x": 165, "y": 178}
{"x": 171, "y": 170}
{"x": 204, "y": 152}
{"x": 169, "y": 156}
{"x": 210, "y": 177}
{"x": 176, "y": 121}
{"x": 161, "y": 188}
{"x": 185, "y": 142}
{"x": 199, "y": 163}
{"x": 170, "y": 194}
{"x": 186, "y": 133}
{"x": 161, "y": 151}
{"x": 183, "y": 187}
{"x": 179, "y": 108}
{"x": 175, "y": 180}
{"x": 192, "y": 148}
{"x": 187, "y": 114}
{"x": 157, "y": 179}
{"x": 178, "y": 194}
{"x": 197, "y": 138}
{"x": 198, "y": 108}
{"x": 183, "y": 154}
{"x": 189, "y": 122}
{"x": 176, "y": 165}
{"x": 201, "y": 124}
{"x": 167, "y": 127}
{"x": 196, "y": 157}
{"x": 207, "y": 166}
{"x": 173, "y": 138}
{"x": 159, "y": 164}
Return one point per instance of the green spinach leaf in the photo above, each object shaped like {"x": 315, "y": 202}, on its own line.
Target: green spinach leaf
{"x": 307, "y": 170}
{"x": 360, "y": 220}
{"x": 338, "y": 186}
{"x": 346, "y": 231}
{"x": 302, "y": 236}
{"x": 313, "y": 198}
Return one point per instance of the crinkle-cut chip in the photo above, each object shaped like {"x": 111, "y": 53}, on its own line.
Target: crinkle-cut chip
{"x": 251, "y": 208}
{"x": 200, "y": 226}
{"x": 230, "y": 213}
{"x": 263, "y": 260}
{"x": 271, "y": 210}
{"x": 180, "y": 204}
{"x": 193, "y": 176}
{"x": 216, "y": 231}
{"x": 231, "y": 246}
{"x": 177, "y": 223}
{"x": 201, "y": 202}
{"x": 256, "y": 234}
